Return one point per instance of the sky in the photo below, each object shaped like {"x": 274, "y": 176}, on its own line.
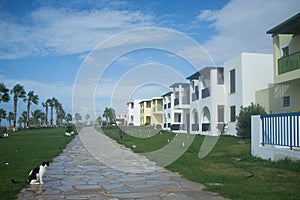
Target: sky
{"x": 95, "y": 54}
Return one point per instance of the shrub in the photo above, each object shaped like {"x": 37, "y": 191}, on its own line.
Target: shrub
{"x": 243, "y": 126}
{"x": 2, "y": 131}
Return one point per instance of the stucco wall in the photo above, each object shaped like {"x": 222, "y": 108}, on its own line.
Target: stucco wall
{"x": 253, "y": 72}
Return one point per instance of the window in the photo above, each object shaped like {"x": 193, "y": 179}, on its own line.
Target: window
{"x": 285, "y": 51}
{"x": 232, "y": 114}
{"x": 232, "y": 81}
{"x": 148, "y": 104}
{"x": 286, "y": 101}
{"x": 220, "y": 77}
{"x": 220, "y": 113}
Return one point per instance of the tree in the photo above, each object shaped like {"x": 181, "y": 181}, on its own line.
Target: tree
{"x": 61, "y": 115}
{"x": 18, "y": 92}
{"x": 87, "y": 117}
{"x": 109, "y": 114}
{"x": 31, "y": 98}
{"x": 2, "y": 115}
{"x": 10, "y": 117}
{"x": 77, "y": 117}
{"x": 52, "y": 104}
{"x": 24, "y": 116}
{"x": 20, "y": 121}
{"x": 243, "y": 125}
{"x": 37, "y": 115}
{"x": 58, "y": 107}
{"x": 68, "y": 118}
{"x": 99, "y": 121}
{"x": 4, "y": 93}
{"x": 46, "y": 105}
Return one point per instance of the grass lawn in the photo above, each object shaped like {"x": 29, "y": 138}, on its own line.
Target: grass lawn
{"x": 22, "y": 151}
{"x": 228, "y": 169}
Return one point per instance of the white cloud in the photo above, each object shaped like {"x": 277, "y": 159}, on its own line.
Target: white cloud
{"x": 63, "y": 32}
{"x": 242, "y": 25}
{"x": 206, "y": 15}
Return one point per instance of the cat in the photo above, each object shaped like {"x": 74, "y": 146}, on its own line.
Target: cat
{"x": 36, "y": 175}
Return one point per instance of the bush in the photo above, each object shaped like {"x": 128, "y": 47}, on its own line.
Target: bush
{"x": 243, "y": 126}
{"x": 2, "y": 131}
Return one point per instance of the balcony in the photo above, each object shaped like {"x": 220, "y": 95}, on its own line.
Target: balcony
{"x": 205, "y": 93}
{"x": 157, "y": 109}
{"x": 289, "y": 63}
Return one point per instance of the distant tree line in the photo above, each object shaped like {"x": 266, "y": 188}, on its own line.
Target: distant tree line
{"x": 31, "y": 118}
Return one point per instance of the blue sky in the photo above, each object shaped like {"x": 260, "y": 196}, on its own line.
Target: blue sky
{"x": 44, "y": 44}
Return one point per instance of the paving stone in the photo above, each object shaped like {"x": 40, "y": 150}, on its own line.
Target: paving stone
{"x": 108, "y": 171}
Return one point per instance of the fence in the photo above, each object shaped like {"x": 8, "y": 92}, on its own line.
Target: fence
{"x": 281, "y": 129}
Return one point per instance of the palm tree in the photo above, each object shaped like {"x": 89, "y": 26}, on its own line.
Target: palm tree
{"x": 4, "y": 93}
{"x": 24, "y": 117}
{"x": 60, "y": 115}
{"x": 99, "y": 121}
{"x": 109, "y": 114}
{"x": 58, "y": 107}
{"x": 10, "y": 117}
{"x": 18, "y": 92}
{"x": 52, "y": 103}
{"x": 36, "y": 116}
{"x": 2, "y": 115}
{"x": 46, "y": 105}
{"x": 31, "y": 98}
{"x": 77, "y": 117}
{"x": 20, "y": 121}
{"x": 68, "y": 118}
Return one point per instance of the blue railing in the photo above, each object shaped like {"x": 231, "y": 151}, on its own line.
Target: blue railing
{"x": 281, "y": 129}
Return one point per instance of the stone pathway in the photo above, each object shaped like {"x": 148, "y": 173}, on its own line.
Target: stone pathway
{"x": 95, "y": 167}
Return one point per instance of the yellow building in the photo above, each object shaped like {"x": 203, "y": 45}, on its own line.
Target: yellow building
{"x": 157, "y": 111}
{"x": 145, "y": 112}
{"x": 151, "y": 111}
{"x": 284, "y": 95}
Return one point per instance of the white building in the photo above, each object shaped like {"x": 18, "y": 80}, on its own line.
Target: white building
{"x": 243, "y": 75}
{"x": 121, "y": 119}
{"x": 133, "y": 113}
{"x": 208, "y": 101}
{"x": 181, "y": 113}
{"x": 168, "y": 110}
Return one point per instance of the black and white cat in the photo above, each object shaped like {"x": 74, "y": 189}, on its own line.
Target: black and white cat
{"x": 36, "y": 175}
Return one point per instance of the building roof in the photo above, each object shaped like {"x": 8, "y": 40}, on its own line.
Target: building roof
{"x": 290, "y": 26}
{"x": 203, "y": 72}
{"x": 154, "y": 98}
{"x": 167, "y": 94}
{"x": 145, "y": 100}
{"x": 176, "y": 85}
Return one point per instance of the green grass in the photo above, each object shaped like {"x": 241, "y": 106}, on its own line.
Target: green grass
{"x": 230, "y": 165}
{"x": 22, "y": 151}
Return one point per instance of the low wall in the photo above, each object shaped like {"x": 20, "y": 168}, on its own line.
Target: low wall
{"x": 268, "y": 151}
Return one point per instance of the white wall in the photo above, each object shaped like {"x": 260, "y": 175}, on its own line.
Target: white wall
{"x": 253, "y": 72}
{"x": 135, "y": 112}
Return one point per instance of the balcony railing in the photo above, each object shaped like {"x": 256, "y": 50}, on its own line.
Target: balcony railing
{"x": 289, "y": 63}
